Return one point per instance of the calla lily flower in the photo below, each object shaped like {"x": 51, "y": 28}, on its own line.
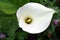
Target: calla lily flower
{"x": 34, "y": 17}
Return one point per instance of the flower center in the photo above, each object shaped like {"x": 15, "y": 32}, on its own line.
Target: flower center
{"x": 28, "y": 20}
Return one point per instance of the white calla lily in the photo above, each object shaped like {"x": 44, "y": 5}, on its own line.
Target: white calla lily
{"x": 34, "y": 17}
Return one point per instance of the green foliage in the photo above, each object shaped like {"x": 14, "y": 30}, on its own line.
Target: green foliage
{"x": 8, "y": 7}
{"x": 21, "y": 35}
{"x": 11, "y": 6}
{"x": 19, "y": 2}
{"x": 8, "y": 25}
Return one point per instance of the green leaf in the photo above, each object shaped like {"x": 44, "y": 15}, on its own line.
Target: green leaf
{"x": 11, "y": 36}
{"x": 37, "y": 1}
{"x": 19, "y": 2}
{"x": 8, "y": 25}
{"x": 8, "y": 7}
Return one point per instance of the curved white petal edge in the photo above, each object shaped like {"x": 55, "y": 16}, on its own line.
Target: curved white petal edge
{"x": 41, "y": 17}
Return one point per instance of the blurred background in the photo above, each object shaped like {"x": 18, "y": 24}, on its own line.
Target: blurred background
{"x": 9, "y": 29}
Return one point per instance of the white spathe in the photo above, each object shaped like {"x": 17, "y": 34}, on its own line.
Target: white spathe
{"x": 41, "y": 17}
